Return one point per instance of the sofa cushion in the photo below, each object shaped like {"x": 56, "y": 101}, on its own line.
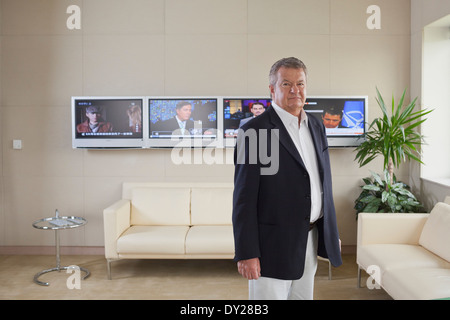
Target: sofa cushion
{"x": 211, "y": 206}
{"x": 210, "y": 240}
{"x": 435, "y": 235}
{"x": 153, "y": 240}
{"x": 396, "y": 256}
{"x": 160, "y": 206}
{"x": 417, "y": 283}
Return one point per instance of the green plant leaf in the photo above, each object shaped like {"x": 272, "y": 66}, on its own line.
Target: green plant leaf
{"x": 377, "y": 178}
{"x": 384, "y": 196}
{"x": 367, "y": 199}
{"x": 393, "y": 136}
{"x": 371, "y": 187}
{"x": 372, "y": 206}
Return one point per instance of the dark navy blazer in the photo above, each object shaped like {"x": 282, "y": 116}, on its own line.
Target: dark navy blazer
{"x": 271, "y": 212}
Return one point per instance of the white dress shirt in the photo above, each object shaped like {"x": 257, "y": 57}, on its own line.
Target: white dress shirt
{"x": 301, "y": 136}
{"x": 181, "y": 124}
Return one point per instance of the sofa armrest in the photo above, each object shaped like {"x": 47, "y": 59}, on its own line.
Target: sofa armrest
{"x": 390, "y": 228}
{"x": 116, "y": 219}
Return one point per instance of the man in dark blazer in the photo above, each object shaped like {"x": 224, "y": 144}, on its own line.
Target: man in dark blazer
{"x": 284, "y": 218}
{"x": 181, "y": 124}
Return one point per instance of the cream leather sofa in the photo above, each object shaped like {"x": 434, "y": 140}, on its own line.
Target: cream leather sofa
{"x": 170, "y": 221}
{"x": 408, "y": 254}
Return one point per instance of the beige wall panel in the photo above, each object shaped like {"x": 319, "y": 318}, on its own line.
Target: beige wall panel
{"x": 118, "y": 17}
{"x": 41, "y": 70}
{"x": 206, "y": 17}
{"x": 206, "y": 65}
{"x": 123, "y": 65}
{"x": 30, "y": 17}
{"x": 46, "y": 142}
{"x": 288, "y": 17}
{"x": 344, "y": 196}
{"x": 416, "y": 66}
{"x": 28, "y": 199}
{"x": 359, "y": 64}
{"x": 350, "y": 17}
{"x": 344, "y": 165}
{"x": 200, "y": 164}
{"x": 124, "y": 163}
{"x": 265, "y": 50}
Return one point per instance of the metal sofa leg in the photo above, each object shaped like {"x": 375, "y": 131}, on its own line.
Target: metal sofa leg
{"x": 108, "y": 268}
{"x": 329, "y": 270}
{"x": 359, "y": 277}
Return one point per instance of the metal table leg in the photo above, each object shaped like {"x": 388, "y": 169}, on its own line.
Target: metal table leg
{"x": 58, "y": 265}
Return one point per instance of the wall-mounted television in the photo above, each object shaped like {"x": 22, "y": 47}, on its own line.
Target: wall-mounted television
{"x": 239, "y": 110}
{"x": 182, "y": 122}
{"x": 108, "y": 122}
{"x": 167, "y": 122}
{"x": 344, "y": 118}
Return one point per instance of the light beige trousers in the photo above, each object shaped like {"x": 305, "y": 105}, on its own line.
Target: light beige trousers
{"x": 301, "y": 289}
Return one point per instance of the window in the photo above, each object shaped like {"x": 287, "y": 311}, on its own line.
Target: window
{"x": 436, "y": 95}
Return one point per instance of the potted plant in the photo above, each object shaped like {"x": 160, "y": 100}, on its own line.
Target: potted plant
{"x": 395, "y": 138}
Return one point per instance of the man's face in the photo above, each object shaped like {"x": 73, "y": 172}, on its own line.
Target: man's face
{"x": 330, "y": 120}
{"x": 257, "y": 109}
{"x": 94, "y": 117}
{"x": 289, "y": 92}
{"x": 184, "y": 113}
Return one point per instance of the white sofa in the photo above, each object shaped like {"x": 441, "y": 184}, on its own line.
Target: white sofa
{"x": 170, "y": 221}
{"x": 408, "y": 254}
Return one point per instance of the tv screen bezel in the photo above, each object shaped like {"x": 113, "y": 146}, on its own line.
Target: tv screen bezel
{"x": 183, "y": 141}
{"x": 107, "y": 142}
{"x": 344, "y": 141}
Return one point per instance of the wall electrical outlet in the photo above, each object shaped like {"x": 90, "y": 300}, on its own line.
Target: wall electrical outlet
{"x": 17, "y": 144}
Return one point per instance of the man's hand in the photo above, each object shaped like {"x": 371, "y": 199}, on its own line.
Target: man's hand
{"x": 250, "y": 268}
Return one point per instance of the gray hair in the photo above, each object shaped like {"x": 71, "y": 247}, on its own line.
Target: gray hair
{"x": 290, "y": 62}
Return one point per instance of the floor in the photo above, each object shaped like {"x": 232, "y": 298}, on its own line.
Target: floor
{"x": 159, "y": 280}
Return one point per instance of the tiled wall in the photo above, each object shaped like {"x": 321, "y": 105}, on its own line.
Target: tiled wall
{"x": 169, "y": 47}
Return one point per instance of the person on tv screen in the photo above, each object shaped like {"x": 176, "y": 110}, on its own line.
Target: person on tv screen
{"x": 257, "y": 108}
{"x": 135, "y": 118}
{"x": 94, "y": 123}
{"x": 181, "y": 123}
{"x": 332, "y": 117}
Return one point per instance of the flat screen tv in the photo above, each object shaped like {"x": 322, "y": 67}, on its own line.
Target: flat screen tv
{"x": 237, "y": 111}
{"x": 108, "y": 122}
{"x": 344, "y": 118}
{"x": 182, "y": 122}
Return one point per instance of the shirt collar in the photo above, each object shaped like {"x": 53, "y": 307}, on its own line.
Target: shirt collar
{"x": 288, "y": 118}
{"x": 180, "y": 121}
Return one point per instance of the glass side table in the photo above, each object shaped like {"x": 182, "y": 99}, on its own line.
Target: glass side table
{"x": 58, "y": 223}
